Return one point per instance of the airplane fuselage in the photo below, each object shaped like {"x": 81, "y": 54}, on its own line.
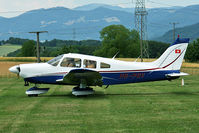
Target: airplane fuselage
{"x": 119, "y": 72}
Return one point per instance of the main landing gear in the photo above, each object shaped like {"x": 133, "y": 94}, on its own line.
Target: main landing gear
{"x": 35, "y": 91}
{"x": 82, "y": 90}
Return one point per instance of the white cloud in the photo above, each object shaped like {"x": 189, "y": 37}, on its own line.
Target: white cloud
{"x": 94, "y": 20}
{"x": 44, "y": 23}
{"x": 51, "y": 22}
{"x": 111, "y": 19}
{"x": 79, "y": 20}
{"x": 171, "y": 11}
{"x": 42, "y": 26}
{"x": 70, "y": 22}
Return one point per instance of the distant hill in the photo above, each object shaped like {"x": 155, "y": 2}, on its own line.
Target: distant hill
{"x": 94, "y": 6}
{"x": 62, "y": 23}
{"x": 191, "y": 32}
{"x": 82, "y": 24}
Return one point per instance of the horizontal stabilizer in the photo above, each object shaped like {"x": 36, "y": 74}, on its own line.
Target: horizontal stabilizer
{"x": 177, "y": 74}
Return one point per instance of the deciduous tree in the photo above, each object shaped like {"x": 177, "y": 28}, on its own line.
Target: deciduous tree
{"x": 28, "y": 49}
{"x": 118, "y": 38}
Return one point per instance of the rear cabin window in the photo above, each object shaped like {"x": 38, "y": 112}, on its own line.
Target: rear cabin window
{"x": 90, "y": 64}
{"x": 71, "y": 62}
{"x": 104, "y": 65}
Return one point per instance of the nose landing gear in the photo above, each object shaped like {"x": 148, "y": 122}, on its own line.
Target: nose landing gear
{"x": 26, "y": 83}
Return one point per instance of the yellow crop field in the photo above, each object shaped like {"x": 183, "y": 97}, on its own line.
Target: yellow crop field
{"x": 136, "y": 60}
{"x": 193, "y": 65}
{"x": 4, "y": 66}
{"x": 24, "y": 59}
{"x": 7, "y": 62}
{"x": 185, "y": 64}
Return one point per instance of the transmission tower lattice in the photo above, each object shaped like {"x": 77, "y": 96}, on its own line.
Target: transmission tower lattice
{"x": 141, "y": 26}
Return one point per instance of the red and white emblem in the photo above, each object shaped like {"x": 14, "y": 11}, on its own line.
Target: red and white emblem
{"x": 178, "y": 51}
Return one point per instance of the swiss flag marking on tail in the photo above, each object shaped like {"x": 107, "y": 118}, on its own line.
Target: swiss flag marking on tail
{"x": 178, "y": 51}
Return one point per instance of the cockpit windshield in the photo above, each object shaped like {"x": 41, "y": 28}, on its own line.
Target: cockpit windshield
{"x": 55, "y": 61}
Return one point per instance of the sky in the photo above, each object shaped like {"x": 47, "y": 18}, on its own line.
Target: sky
{"x": 11, "y": 8}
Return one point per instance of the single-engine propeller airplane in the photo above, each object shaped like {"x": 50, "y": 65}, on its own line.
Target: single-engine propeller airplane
{"x": 84, "y": 70}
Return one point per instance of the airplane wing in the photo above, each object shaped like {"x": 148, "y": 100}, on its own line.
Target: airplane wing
{"x": 88, "y": 77}
{"x": 173, "y": 75}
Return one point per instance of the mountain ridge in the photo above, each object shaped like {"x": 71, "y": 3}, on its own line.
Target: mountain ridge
{"x": 64, "y": 23}
{"x": 184, "y": 32}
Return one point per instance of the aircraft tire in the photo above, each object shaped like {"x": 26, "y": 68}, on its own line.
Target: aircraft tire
{"x": 33, "y": 95}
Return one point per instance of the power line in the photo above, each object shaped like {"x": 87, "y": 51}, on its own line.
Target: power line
{"x": 159, "y": 3}
{"x": 54, "y": 30}
{"x": 63, "y": 30}
{"x": 122, "y": 3}
{"x": 159, "y": 24}
{"x": 190, "y": 11}
{"x": 74, "y": 34}
{"x": 69, "y": 33}
{"x": 79, "y": 28}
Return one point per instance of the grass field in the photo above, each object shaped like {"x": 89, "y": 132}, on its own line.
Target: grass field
{"x": 155, "y": 107}
{"x": 7, "y": 48}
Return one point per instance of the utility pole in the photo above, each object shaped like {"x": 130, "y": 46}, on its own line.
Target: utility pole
{"x": 74, "y": 37}
{"x": 74, "y": 34}
{"x": 140, "y": 25}
{"x": 141, "y": 39}
{"x": 174, "y": 27}
{"x": 38, "y": 47}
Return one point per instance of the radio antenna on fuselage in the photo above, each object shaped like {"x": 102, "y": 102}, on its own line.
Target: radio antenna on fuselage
{"x": 115, "y": 55}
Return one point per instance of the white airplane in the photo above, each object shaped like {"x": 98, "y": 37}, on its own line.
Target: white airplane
{"x": 84, "y": 70}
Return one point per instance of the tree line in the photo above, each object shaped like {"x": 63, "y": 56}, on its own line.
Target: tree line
{"x": 114, "y": 39}
{"x": 192, "y": 54}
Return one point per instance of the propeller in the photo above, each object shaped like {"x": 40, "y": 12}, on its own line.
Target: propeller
{"x": 18, "y": 68}
{"x": 15, "y": 69}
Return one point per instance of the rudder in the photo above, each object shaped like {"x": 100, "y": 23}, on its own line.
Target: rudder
{"x": 173, "y": 57}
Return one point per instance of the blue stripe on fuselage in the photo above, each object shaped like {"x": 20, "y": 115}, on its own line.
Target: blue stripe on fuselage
{"x": 111, "y": 78}
{"x": 134, "y": 77}
{"x": 44, "y": 79}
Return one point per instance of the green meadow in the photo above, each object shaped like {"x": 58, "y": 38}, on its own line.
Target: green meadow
{"x": 153, "y": 107}
{"x": 7, "y": 48}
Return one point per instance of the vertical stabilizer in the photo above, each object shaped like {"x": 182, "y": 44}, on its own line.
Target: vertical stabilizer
{"x": 173, "y": 57}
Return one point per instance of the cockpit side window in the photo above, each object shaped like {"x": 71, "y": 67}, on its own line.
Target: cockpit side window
{"x": 90, "y": 64}
{"x": 55, "y": 61}
{"x": 71, "y": 62}
{"x": 104, "y": 65}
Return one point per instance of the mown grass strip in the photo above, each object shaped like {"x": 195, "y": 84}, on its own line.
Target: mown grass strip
{"x": 143, "y": 107}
